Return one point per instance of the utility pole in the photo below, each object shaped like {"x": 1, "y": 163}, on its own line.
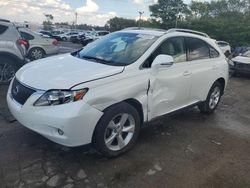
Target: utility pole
{"x": 141, "y": 13}
{"x": 176, "y": 20}
{"x": 177, "y": 16}
{"x": 76, "y": 14}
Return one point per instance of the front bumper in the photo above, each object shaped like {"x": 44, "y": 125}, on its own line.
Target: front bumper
{"x": 77, "y": 120}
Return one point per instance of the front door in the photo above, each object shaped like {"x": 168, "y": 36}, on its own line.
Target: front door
{"x": 170, "y": 86}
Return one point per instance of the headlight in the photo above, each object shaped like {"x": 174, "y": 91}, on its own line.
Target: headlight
{"x": 57, "y": 97}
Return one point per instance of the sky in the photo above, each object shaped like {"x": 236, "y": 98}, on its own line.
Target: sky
{"x": 93, "y": 12}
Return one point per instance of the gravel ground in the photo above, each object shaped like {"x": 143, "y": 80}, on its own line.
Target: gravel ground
{"x": 185, "y": 150}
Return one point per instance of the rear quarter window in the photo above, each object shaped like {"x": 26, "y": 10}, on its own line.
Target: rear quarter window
{"x": 3, "y": 28}
{"x": 213, "y": 52}
{"x": 27, "y": 36}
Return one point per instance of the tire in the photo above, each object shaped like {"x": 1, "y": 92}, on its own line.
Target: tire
{"x": 110, "y": 131}
{"x": 36, "y": 53}
{"x": 212, "y": 100}
{"x": 8, "y": 68}
{"x": 64, "y": 39}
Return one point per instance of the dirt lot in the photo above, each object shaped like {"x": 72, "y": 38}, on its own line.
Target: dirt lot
{"x": 185, "y": 150}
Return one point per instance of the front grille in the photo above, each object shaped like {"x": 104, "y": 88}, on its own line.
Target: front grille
{"x": 20, "y": 92}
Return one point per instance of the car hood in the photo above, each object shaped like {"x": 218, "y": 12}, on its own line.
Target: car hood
{"x": 241, "y": 59}
{"x": 63, "y": 72}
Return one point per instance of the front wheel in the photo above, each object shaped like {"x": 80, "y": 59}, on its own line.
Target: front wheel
{"x": 117, "y": 130}
{"x": 212, "y": 100}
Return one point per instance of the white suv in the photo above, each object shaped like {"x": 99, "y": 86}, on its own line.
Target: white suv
{"x": 103, "y": 93}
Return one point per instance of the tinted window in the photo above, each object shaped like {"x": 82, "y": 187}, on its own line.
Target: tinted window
{"x": 174, "y": 47}
{"x": 213, "y": 52}
{"x": 103, "y": 33}
{"x": 26, "y": 36}
{"x": 3, "y": 28}
{"x": 198, "y": 49}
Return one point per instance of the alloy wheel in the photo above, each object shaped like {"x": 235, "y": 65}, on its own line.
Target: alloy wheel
{"x": 7, "y": 72}
{"x": 37, "y": 54}
{"x": 119, "y": 132}
{"x": 214, "y": 98}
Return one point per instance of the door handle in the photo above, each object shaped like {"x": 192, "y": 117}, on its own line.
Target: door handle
{"x": 187, "y": 73}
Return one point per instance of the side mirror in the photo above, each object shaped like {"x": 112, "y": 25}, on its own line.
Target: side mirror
{"x": 163, "y": 60}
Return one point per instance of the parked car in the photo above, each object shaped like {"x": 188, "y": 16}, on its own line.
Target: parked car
{"x": 47, "y": 33}
{"x": 66, "y": 36}
{"x": 77, "y": 38}
{"x": 241, "y": 64}
{"x": 39, "y": 46}
{"x": 240, "y": 50}
{"x": 225, "y": 47}
{"x": 91, "y": 36}
{"x": 103, "y": 93}
{"x": 12, "y": 51}
{"x": 102, "y": 33}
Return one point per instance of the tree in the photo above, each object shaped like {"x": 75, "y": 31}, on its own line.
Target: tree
{"x": 168, "y": 11}
{"x": 47, "y": 25}
{"x": 116, "y": 23}
{"x": 199, "y": 9}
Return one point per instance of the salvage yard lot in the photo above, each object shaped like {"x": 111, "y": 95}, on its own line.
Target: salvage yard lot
{"x": 185, "y": 150}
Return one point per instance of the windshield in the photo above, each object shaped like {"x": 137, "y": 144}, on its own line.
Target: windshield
{"x": 246, "y": 54}
{"x": 117, "y": 49}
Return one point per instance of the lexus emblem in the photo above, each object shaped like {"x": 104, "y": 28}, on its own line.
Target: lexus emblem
{"x": 16, "y": 90}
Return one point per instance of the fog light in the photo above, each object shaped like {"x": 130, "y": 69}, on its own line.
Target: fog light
{"x": 60, "y": 132}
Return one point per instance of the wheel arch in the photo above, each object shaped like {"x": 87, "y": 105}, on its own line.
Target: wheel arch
{"x": 222, "y": 82}
{"x": 131, "y": 101}
{"x": 13, "y": 57}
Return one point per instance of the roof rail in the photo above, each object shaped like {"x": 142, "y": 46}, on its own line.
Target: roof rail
{"x": 188, "y": 31}
{"x": 3, "y": 20}
{"x": 144, "y": 28}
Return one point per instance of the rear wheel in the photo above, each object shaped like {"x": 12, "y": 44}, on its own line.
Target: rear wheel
{"x": 8, "y": 68}
{"x": 117, "y": 130}
{"x": 212, "y": 100}
{"x": 36, "y": 53}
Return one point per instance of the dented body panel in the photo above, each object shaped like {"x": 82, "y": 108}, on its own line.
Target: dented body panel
{"x": 159, "y": 90}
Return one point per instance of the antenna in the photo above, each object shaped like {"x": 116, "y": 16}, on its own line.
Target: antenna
{"x": 76, "y": 14}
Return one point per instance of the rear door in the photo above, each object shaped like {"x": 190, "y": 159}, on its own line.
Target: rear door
{"x": 203, "y": 66}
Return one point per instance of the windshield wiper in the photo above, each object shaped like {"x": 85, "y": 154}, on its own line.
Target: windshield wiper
{"x": 99, "y": 60}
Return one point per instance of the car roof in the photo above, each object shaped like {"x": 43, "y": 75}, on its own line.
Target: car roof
{"x": 153, "y": 32}
{"x": 161, "y": 32}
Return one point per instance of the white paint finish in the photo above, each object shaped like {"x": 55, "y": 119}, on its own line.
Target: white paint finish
{"x": 130, "y": 84}
{"x": 62, "y": 72}
{"x": 77, "y": 120}
{"x": 224, "y": 46}
{"x": 171, "y": 88}
{"x": 206, "y": 70}
{"x": 242, "y": 59}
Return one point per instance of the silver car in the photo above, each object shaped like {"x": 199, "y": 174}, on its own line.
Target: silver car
{"x": 39, "y": 46}
{"x": 12, "y": 51}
